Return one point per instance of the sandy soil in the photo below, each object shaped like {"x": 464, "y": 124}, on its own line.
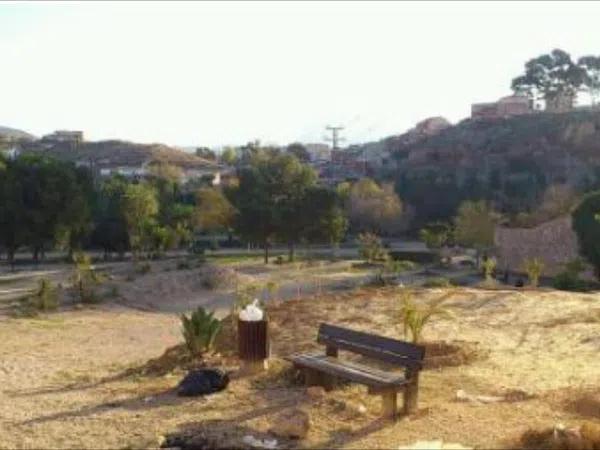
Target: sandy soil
{"x": 62, "y": 383}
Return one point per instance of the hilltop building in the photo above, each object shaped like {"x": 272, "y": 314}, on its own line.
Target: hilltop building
{"x": 74, "y": 137}
{"x": 512, "y": 105}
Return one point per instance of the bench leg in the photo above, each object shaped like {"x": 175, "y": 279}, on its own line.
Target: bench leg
{"x": 389, "y": 404}
{"x": 411, "y": 396}
{"x": 316, "y": 378}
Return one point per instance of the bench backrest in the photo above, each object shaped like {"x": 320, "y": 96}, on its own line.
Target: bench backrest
{"x": 381, "y": 348}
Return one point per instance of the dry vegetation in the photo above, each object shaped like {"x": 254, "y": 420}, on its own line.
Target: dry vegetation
{"x": 95, "y": 377}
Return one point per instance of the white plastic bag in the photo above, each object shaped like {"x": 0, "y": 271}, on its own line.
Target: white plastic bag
{"x": 251, "y": 313}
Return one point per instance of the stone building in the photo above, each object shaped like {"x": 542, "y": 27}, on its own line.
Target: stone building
{"x": 553, "y": 242}
{"x": 512, "y": 105}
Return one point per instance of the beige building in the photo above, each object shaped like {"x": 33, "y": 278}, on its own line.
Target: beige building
{"x": 512, "y": 105}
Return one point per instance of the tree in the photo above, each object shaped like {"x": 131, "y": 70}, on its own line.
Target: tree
{"x": 587, "y": 228}
{"x": 206, "y": 153}
{"x": 553, "y": 77}
{"x": 327, "y": 222}
{"x": 110, "y": 230}
{"x": 139, "y": 207}
{"x": 270, "y": 189}
{"x": 475, "y": 225}
{"x": 214, "y": 212}
{"x": 299, "y": 151}
{"x": 591, "y": 66}
{"x": 372, "y": 207}
{"x": 229, "y": 156}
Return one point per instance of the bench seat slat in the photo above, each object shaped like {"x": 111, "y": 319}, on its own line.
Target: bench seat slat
{"x": 352, "y": 371}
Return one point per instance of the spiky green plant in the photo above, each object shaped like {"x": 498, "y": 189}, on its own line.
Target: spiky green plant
{"x": 534, "y": 268}
{"x": 489, "y": 265}
{"x": 200, "y": 330}
{"x": 85, "y": 278}
{"x": 414, "y": 318}
{"x": 45, "y": 298}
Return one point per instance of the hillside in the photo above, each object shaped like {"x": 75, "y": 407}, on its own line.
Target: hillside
{"x": 117, "y": 153}
{"x": 14, "y": 134}
{"x": 510, "y": 162}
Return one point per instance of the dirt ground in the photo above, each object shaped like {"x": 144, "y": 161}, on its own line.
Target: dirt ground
{"x": 64, "y": 380}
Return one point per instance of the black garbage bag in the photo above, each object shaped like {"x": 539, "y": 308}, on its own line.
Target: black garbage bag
{"x": 202, "y": 382}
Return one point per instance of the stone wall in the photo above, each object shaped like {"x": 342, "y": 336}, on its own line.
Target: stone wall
{"x": 553, "y": 242}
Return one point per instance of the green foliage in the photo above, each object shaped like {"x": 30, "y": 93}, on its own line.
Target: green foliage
{"x": 373, "y": 208}
{"x": 415, "y": 318}
{"x": 144, "y": 268}
{"x": 475, "y": 225}
{"x": 84, "y": 278}
{"x": 200, "y": 330}
{"x": 140, "y": 206}
{"x": 45, "y": 298}
{"x": 587, "y": 229}
{"x": 214, "y": 212}
{"x": 435, "y": 235}
{"x": 569, "y": 279}
{"x": 553, "y": 77}
{"x": 489, "y": 266}
{"x": 534, "y": 268}
{"x": 371, "y": 248}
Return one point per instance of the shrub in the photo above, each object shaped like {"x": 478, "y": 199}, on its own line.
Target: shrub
{"x": 200, "y": 330}
{"x": 85, "y": 279}
{"x": 438, "y": 282}
{"x": 414, "y": 318}
{"x": 534, "y": 268}
{"x": 568, "y": 279}
{"x": 214, "y": 277}
{"x": 371, "y": 249}
{"x": 45, "y": 297}
{"x": 393, "y": 266}
{"x": 587, "y": 228}
{"x": 489, "y": 265}
{"x": 279, "y": 260}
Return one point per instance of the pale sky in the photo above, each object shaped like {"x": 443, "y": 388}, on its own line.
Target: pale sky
{"x": 226, "y": 73}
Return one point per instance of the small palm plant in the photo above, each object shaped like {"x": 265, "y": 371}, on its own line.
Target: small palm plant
{"x": 415, "y": 318}
{"x": 489, "y": 265}
{"x": 534, "y": 268}
{"x": 200, "y": 330}
{"x": 85, "y": 278}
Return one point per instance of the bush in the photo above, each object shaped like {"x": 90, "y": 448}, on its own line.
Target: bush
{"x": 370, "y": 248}
{"x": 394, "y": 266}
{"x": 85, "y": 279}
{"x": 45, "y": 298}
{"x": 568, "y": 280}
{"x": 534, "y": 268}
{"x": 438, "y": 282}
{"x": 200, "y": 330}
{"x": 214, "y": 277}
{"x": 587, "y": 228}
{"x": 489, "y": 266}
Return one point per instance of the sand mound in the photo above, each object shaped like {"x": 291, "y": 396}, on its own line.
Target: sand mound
{"x": 450, "y": 354}
{"x": 583, "y": 437}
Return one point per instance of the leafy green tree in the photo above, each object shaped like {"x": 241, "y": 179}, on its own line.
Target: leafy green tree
{"x": 299, "y": 151}
{"x": 229, "y": 156}
{"x": 372, "y": 207}
{"x": 326, "y": 221}
{"x": 553, "y": 77}
{"x": 591, "y": 66}
{"x": 475, "y": 225}
{"x": 587, "y": 228}
{"x": 140, "y": 206}
{"x": 206, "y": 153}
{"x": 110, "y": 230}
{"x": 270, "y": 189}
{"x": 214, "y": 212}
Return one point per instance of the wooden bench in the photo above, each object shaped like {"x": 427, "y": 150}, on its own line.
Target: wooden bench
{"x": 324, "y": 368}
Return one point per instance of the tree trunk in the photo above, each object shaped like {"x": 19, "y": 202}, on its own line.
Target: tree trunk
{"x": 266, "y": 244}
{"x": 291, "y": 252}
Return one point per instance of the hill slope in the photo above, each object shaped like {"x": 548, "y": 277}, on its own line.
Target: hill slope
{"x": 14, "y": 134}
{"x": 510, "y": 162}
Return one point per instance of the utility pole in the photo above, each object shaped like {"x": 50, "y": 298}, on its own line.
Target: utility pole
{"x": 335, "y": 139}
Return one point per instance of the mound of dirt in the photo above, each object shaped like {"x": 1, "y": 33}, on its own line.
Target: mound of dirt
{"x": 176, "y": 357}
{"x": 583, "y": 437}
{"x": 450, "y": 354}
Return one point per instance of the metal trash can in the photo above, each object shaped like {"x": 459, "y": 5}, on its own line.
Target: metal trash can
{"x": 253, "y": 344}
